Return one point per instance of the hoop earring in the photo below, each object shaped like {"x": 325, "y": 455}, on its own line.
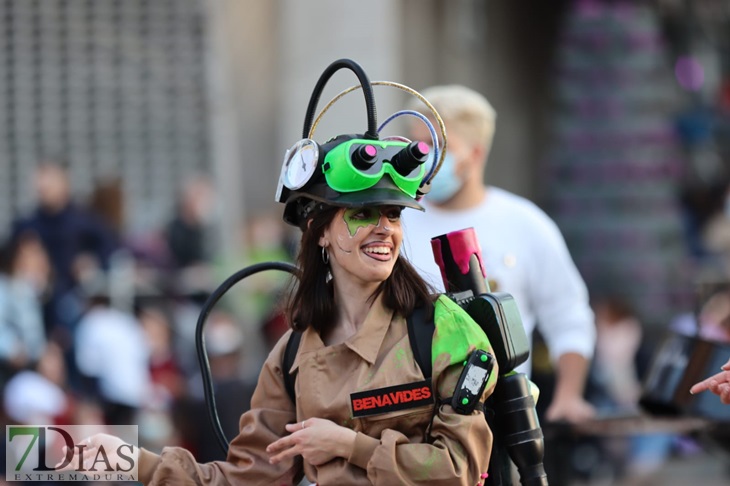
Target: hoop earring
{"x": 325, "y": 256}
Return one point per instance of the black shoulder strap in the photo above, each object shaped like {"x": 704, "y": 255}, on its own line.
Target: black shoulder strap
{"x": 420, "y": 333}
{"x": 290, "y": 353}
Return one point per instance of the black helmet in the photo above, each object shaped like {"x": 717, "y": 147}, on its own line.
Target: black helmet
{"x": 304, "y": 185}
{"x": 354, "y": 170}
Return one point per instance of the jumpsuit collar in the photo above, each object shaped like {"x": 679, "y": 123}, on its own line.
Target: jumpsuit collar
{"x": 366, "y": 342}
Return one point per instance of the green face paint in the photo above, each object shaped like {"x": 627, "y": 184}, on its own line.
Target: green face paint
{"x": 356, "y": 218}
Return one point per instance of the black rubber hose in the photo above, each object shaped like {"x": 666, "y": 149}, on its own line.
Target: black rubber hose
{"x": 367, "y": 90}
{"x": 212, "y": 299}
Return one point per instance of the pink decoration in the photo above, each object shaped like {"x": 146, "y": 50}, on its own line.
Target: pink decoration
{"x": 464, "y": 244}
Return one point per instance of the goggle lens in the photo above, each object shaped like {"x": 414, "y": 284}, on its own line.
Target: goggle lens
{"x": 359, "y": 164}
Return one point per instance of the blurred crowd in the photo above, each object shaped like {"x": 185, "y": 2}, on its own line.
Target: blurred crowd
{"x": 97, "y": 327}
{"x": 639, "y": 432}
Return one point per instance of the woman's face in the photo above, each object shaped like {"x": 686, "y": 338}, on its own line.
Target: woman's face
{"x": 363, "y": 243}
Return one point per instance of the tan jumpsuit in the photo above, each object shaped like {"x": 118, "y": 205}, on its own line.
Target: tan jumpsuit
{"x": 420, "y": 445}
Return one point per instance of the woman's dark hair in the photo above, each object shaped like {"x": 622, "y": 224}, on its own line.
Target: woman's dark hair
{"x": 311, "y": 301}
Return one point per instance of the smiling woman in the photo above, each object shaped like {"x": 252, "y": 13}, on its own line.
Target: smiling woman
{"x": 362, "y": 411}
{"x": 364, "y": 243}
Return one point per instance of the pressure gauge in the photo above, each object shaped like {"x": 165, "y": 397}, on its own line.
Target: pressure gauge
{"x": 300, "y": 162}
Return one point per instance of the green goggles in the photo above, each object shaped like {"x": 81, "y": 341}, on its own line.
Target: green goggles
{"x": 359, "y": 164}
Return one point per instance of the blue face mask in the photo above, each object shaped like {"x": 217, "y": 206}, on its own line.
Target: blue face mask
{"x": 446, "y": 183}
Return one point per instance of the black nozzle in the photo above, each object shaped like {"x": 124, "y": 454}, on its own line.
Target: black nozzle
{"x": 412, "y": 156}
{"x": 367, "y": 90}
{"x": 364, "y": 156}
{"x": 519, "y": 429}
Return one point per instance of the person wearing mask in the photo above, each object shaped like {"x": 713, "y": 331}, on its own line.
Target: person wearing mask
{"x": 523, "y": 250}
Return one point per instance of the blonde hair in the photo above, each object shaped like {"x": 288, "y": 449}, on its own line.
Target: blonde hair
{"x": 465, "y": 111}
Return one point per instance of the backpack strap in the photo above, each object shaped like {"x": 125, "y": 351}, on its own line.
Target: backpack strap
{"x": 290, "y": 353}
{"x": 420, "y": 334}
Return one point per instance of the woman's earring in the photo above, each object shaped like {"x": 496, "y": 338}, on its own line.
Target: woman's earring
{"x": 325, "y": 256}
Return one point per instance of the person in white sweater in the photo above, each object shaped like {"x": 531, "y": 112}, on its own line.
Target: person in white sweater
{"x": 523, "y": 251}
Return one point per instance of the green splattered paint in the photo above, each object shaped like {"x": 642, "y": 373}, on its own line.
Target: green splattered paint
{"x": 368, "y": 378}
{"x": 426, "y": 467}
{"x": 356, "y": 218}
{"x": 399, "y": 356}
{"x": 456, "y": 334}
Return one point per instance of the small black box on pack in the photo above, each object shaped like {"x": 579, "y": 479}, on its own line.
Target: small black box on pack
{"x": 499, "y": 317}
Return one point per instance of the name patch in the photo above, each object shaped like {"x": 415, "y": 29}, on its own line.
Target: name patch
{"x": 391, "y": 398}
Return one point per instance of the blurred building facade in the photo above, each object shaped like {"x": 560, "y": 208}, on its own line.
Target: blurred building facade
{"x": 113, "y": 89}
{"x": 150, "y": 92}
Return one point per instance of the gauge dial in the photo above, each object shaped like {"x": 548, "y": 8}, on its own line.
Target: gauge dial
{"x": 300, "y": 163}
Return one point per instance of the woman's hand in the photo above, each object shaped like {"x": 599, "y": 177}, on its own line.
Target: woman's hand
{"x": 571, "y": 409}
{"x": 317, "y": 440}
{"x": 718, "y": 384}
